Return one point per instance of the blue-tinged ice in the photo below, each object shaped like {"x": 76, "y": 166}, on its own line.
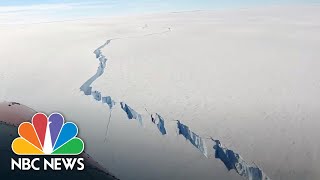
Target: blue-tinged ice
{"x": 102, "y": 65}
{"x": 234, "y": 161}
{"x": 132, "y": 114}
{"x": 96, "y": 95}
{"x": 195, "y": 139}
{"x": 108, "y": 100}
{"x": 161, "y": 126}
{"x": 159, "y": 121}
{"x": 86, "y": 90}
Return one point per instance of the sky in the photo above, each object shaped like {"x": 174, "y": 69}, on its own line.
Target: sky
{"x": 173, "y": 2}
{"x": 20, "y": 11}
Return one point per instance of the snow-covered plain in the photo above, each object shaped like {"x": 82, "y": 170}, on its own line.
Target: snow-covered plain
{"x": 248, "y": 77}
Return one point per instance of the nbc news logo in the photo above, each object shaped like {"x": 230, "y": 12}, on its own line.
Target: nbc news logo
{"x": 47, "y": 136}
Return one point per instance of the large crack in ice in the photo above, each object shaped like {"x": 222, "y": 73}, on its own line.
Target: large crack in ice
{"x": 230, "y": 159}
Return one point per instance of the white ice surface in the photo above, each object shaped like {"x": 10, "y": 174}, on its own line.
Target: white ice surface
{"x": 249, "y": 78}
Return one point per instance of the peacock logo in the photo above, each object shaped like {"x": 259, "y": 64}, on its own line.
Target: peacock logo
{"x": 47, "y": 136}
